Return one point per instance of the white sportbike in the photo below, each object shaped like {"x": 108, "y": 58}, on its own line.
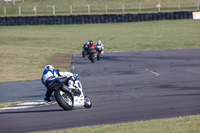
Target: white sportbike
{"x": 70, "y": 98}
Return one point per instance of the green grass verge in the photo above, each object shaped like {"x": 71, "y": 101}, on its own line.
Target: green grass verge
{"x": 91, "y": 2}
{"x": 10, "y": 104}
{"x": 189, "y": 124}
{"x": 25, "y": 50}
{"x": 62, "y": 7}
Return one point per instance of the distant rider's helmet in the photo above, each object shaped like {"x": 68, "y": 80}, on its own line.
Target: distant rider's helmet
{"x": 99, "y": 42}
{"x": 91, "y": 42}
{"x": 49, "y": 67}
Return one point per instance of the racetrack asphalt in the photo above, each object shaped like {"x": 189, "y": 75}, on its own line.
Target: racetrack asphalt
{"x": 123, "y": 87}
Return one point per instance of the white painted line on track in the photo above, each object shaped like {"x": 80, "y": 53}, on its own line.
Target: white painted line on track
{"x": 72, "y": 64}
{"x": 27, "y": 105}
{"x": 156, "y": 74}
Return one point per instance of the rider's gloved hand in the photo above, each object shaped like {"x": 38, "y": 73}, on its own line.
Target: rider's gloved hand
{"x": 74, "y": 76}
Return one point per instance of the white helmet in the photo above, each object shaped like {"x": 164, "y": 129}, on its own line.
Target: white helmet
{"x": 49, "y": 67}
{"x": 99, "y": 42}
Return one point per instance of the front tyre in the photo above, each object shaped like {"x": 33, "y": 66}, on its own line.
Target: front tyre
{"x": 63, "y": 100}
{"x": 92, "y": 58}
{"x": 88, "y": 103}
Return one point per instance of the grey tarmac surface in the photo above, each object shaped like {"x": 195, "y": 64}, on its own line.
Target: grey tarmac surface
{"x": 124, "y": 87}
{"x": 19, "y": 91}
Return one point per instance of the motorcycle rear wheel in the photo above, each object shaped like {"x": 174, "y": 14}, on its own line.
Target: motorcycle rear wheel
{"x": 63, "y": 100}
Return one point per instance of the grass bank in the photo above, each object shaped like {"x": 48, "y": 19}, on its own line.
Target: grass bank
{"x": 25, "y": 50}
{"x": 189, "y": 124}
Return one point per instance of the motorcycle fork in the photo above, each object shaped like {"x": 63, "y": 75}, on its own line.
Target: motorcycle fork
{"x": 73, "y": 98}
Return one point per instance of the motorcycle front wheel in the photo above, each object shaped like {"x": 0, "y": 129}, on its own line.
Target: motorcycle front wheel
{"x": 92, "y": 58}
{"x": 88, "y": 103}
{"x": 63, "y": 100}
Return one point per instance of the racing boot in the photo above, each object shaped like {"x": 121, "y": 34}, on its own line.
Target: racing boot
{"x": 47, "y": 99}
{"x": 47, "y": 95}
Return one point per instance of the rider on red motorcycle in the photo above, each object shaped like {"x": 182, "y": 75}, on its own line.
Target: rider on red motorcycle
{"x": 92, "y": 46}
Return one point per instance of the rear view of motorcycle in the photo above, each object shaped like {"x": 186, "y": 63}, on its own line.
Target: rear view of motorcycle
{"x": 68, "y": 99}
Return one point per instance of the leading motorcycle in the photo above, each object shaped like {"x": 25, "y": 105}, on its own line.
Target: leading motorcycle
{"x": 68, "y": 99}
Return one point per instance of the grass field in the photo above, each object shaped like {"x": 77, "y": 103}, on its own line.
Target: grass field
{"x": 62, "y": 7}
{"x": 189, "y": 124}
{"x": 25, "y": 50}
{"x": 112, "y": 3}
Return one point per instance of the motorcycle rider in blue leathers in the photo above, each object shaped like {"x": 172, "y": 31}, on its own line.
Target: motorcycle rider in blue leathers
{"x": 53, "y": 78}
